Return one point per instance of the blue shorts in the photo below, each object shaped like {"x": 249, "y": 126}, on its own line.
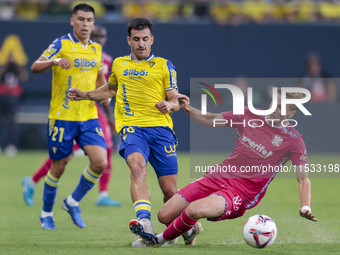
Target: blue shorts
{"x": 61, "y": 134}
{"x": 156, "y": 144}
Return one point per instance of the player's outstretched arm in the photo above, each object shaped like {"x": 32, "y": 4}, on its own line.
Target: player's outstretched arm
{"x": 304, "y": 192}
{"x": 195, "y": 114}
{"x": 41, "y": 65}
{"x": 104, "y": 92}
{"x": 171, "y": 105}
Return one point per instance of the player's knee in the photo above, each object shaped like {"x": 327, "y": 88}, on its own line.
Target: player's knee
{"x": 138, "y": 171}
{"x": 99, "y": 165}
{"x": 168, "y": 192}
{"x": 195, "y": 211}
{"x": 164, "y": 216}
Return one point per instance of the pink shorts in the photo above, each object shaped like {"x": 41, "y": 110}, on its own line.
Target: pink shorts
{"x": 204, "y": 187}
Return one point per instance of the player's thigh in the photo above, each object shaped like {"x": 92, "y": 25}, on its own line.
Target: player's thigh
{"x": 163, "y": 157}
{"x": 91, "y": 133}
{"x": 97, "y": 154}
{"x": 199, "y": 189}
{"x": 235, "y": 205}
{"x": 132, "y": 141}
{"x": 172, "y": 209}
{"x": 60, "y": 138}
{"x": 209, "y": 207}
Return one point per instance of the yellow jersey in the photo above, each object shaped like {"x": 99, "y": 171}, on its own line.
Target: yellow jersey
{"x": 141, "y": 84}
{"x": 86, "y": 61}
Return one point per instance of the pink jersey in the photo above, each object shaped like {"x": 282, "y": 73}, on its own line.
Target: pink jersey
{"x": 259, "y": 153}
{"x": 107, "y": 64}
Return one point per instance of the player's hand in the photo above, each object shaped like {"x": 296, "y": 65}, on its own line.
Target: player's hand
{"x": 75, "y": 94}
{"x": 184, "y": 101}
{"x": 64, "y": 63}
{"x": 307, "y": 214}
{"x": 163, "y": 106}
{"x": 106, "y": 102}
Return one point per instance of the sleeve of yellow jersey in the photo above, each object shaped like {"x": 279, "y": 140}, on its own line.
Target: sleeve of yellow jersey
{"x": 170, "y": 76}
{"x": 53, "y": 50}
{"x": 113, "y": 78}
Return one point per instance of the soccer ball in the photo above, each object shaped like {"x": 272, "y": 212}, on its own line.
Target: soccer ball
{"x": 259, "y": 231}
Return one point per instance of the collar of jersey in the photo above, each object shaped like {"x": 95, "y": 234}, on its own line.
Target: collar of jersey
{"x": 75, "y": 40}
{"x": 146, "y": 59}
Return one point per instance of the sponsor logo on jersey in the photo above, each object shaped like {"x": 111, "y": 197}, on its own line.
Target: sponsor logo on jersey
{"x": 66, "y": 99}
{"x": 50, "y": 51}
{"x": 258, "y": 148}
{"x": 174, "y": 77}
{"x": 135, "y": 74}
{"x": 277, "y": 140}
{"x": 126, "y": 107}
{"x": 84, "y": 64}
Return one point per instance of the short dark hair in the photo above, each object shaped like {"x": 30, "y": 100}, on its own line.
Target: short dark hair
{"x": 139, "y": 24}
{"x": 83, "y": 7}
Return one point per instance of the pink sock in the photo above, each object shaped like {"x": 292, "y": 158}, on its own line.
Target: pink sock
{"x": 106, "y": 175}
{"x": 104, "y": 181}
{"x": 179, "y": 226}
{"x": 42, "y": 171}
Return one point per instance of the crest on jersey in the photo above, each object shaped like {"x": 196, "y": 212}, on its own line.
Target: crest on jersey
{"x": 54, "y": 148}
{"x": 277, "y": 140}
{"x": 74, "y": 49}
{"x": 94, "y": 49}
{"x": 237, "y": 201}
{"x": 151, "y": 64}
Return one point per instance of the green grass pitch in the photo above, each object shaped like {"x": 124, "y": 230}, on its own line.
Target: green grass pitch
{"x": 107, "y": 230}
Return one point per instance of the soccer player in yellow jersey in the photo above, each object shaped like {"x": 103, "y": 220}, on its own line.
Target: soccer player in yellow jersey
{"x": 76, "y": 61}
{"x": 141, "y": 82}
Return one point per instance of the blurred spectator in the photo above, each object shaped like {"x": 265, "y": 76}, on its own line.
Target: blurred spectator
{"x": 138, "y": 8}
{"x": 201, "y": 11}
{"x": 318, "y": 81}
{"x": 306, "y": 11}
{"x": 257, "y": 11}
{"x": 11, "y": 76}
{"x": 59, "y": 7}
{"x": 282, "y": 11}
{"x": 166, "y": 11}
{"x": 7, "y": 11}
{"x": 28, "y": 9}
{"x": 225, "y": 12}
{"x": 330, "y": 11}
{"x": 222, "y": 12}
{"x": 186, "y": 9}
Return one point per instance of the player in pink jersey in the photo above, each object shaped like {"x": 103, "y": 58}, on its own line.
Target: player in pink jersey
{"x": 221, "y": 195}
{"x": 99, "y": 34}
